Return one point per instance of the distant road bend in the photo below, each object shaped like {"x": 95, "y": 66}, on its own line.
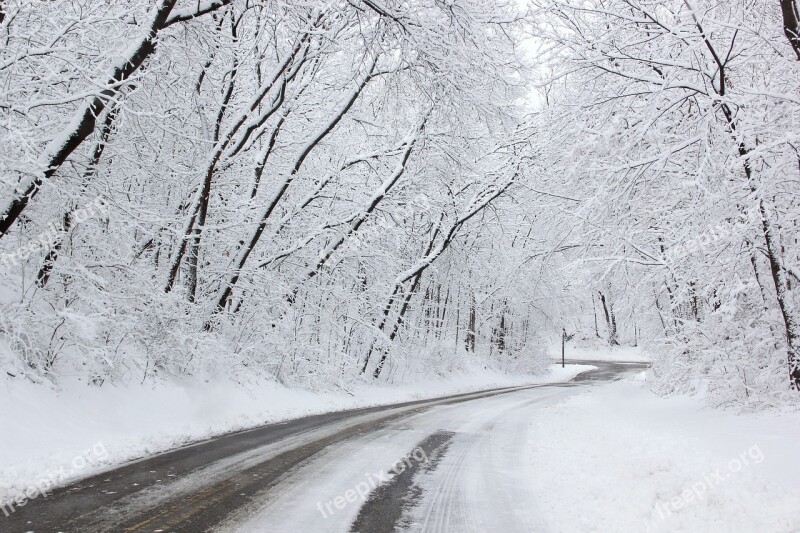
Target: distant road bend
{"x": 295, "y": 475}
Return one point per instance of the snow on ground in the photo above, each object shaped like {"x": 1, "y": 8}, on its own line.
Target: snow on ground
{"x": 618, "y": 458}
{"x": 50, "y": 437}
{"x": 608, "y": 457}
{"x": 483, "y": 430}
{"x": 598, "y": 350}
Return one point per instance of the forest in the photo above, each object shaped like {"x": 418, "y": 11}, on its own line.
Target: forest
{"x": 327, "y": 192}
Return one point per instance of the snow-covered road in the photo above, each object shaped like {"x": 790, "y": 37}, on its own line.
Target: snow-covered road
{"x": 194, "y": 488}
{"x": 599, "y": 453}
{"x": 470, "y": 480}
{"x": 197, "y": 487}
{"x": 608, "y": 456}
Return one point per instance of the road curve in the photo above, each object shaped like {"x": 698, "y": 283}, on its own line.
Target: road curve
{"x": 207, "y": 484}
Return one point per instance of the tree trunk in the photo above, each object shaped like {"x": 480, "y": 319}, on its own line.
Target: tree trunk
{"x": 194, "y": 227}
{"x": 305, "y": 151}
{"x": 501, "y": 332}
{"x": 791, "y": 326}
{"x": 471, "y": 324}
{"x": 398, "y": 286}
{"x": 791, "y": 24}
{"x": 66, "y": 141}
{"x": 397, "y": 324}
{"x": 610, "y": 321}
{"x": 43, "y": 276}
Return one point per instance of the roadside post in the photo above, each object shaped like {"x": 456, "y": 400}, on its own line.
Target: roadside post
{"x": 563, "y": 341}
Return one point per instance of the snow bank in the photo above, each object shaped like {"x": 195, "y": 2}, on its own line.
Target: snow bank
{"x": 600, "y": 351}
{"x": 54, "y": 437}
{"x": 618, "y": 458}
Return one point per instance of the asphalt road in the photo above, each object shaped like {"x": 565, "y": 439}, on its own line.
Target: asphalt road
{"x": 197, "y": 487}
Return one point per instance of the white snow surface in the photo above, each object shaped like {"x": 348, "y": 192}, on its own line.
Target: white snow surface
{"x": 80, "y": 430}
{"x": 606, "y": 458}
{"x": 619, "y": 458}
{"x": 600, "y": 351}
{"x": 304, "y": 500}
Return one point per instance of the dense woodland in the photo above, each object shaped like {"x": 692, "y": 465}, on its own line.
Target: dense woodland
{"x": 321, "y": 192}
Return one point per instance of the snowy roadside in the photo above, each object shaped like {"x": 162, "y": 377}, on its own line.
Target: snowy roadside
{"x": 600, "y": 351}
{"x": 618, "y": 458}
{"x": 49, "y": 438}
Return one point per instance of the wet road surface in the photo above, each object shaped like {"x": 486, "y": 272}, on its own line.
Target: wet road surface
{"x": 222, "y": 482}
